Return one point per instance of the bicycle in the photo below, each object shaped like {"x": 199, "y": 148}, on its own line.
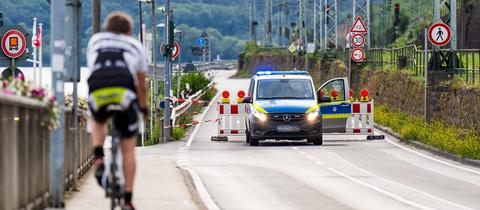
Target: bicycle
{"x": 113, "y": 181}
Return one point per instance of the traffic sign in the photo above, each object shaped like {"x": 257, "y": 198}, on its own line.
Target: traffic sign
{"x": 292, "y": 48}
{"x": 311, "y": 47}
{"x": 358, "y": 54}
{"x": 359, "y": 26}
{"x": 358, "y": 40}
{"x": 14, "y": 43}
{"x": 201, "y": 42}
{"x": 439, "y": 34}
{"x": 176, "y": 49}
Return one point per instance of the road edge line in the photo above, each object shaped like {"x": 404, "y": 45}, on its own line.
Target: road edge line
{"x": 201, "y": 190}
{"x": 433, "y": 152}
{"x": 197, "y": 127}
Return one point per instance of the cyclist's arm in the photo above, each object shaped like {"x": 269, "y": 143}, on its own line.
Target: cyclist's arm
{"x": 142, "y": 89}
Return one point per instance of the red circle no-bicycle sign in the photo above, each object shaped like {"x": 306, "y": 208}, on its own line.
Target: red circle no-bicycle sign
{"x": 439, "y": 34}
{"x": 14, "y": 43}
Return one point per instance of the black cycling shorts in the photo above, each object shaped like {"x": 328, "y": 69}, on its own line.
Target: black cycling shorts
{"x": 126, "y": 122}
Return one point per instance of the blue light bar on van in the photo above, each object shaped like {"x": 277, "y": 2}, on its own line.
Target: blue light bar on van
{"x": 263, "y": 73}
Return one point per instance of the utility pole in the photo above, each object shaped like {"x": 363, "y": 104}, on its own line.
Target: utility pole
{"x": 330, "y": 24}
{"x": 73, "y": 51}
{"x": 154, "y": 57}
{"x": 361, "y": 8}
{"x": 315, "y": 22}
{"x": 57, "y": 137}
{"x": 96, "y": 10}
{"x": 322, "y": 10}
{"x": 451, "y": 7}
{"x": 179, "y": 72}
{"x": 168, "y": 78}
{"x": 268, "y": 23}
{"x": 141, "y": 20}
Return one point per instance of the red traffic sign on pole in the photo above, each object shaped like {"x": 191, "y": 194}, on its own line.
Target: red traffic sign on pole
{"x": 176, "y": 50}
{"x": 439, "y": 34}
{"x": 358, "y": 40}
{"x": 358, "y": 54}
{"x": 14, "y": 43}
{"x": 359, "y": 26}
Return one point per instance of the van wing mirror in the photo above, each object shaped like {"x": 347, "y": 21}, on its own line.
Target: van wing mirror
{"x": 247, "y": 100}
{"x": 324, "y": 99}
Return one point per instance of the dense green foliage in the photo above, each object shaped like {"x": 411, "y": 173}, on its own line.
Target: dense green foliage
{"x": 465, "y": 143}
{"x": 226, "y": 22}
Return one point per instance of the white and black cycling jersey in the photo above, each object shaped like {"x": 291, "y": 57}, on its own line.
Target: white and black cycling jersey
{"x": 133, "y": 58}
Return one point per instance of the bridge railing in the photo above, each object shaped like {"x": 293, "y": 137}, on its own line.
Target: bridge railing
{"x": 25, "y": 154}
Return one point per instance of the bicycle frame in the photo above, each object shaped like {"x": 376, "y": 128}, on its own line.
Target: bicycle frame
{"x": 114, "y": 186}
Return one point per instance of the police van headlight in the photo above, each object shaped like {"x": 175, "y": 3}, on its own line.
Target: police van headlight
{"x": 260, "y": 115}
{"x": 313, "y": 115}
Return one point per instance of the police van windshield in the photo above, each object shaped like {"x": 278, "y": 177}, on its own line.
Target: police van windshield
{"x": 285, "y": 89}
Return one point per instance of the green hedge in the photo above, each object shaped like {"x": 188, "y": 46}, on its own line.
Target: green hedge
{"x": 465, "y": 143}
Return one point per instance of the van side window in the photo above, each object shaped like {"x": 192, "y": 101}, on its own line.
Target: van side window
{"x": 338, "y": 86}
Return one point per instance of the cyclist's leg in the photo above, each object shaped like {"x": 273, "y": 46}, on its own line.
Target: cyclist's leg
{"x": 127, "y": 123}
{"x": 128, "y": 151}
{"x": 99, "y": 132}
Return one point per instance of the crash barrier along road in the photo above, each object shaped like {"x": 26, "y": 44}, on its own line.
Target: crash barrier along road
{"x": 231, "y": 117}
{"x": 341, "y": 116}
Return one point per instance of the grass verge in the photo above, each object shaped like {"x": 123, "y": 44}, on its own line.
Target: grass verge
{"x": 462, "y": 142}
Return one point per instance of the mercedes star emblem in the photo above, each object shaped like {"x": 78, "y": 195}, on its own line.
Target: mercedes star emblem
{"x": 287, "y": 118}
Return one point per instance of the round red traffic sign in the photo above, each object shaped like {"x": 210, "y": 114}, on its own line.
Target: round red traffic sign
{"x": 439, "y": 34}
{"x": 358, "y": 54}
{"x": 14, "y": 43}
{"x": 176, "y": 50}
{"x": 358, "y": 40}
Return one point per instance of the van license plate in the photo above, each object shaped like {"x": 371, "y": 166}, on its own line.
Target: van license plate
{"x": 288, "y": 128}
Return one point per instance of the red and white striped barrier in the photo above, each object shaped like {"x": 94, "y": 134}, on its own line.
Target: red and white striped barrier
{"x": 231, "y": 117}
{"x": 361, "y": 121}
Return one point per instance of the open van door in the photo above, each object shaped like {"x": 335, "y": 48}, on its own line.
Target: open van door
{"x": 339, "y": 108}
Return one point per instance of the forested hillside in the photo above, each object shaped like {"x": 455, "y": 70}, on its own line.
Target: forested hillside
{"x": 225, "y": 21}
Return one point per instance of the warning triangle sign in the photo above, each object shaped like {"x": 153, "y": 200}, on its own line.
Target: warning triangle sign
{"x": 359, "y": 26}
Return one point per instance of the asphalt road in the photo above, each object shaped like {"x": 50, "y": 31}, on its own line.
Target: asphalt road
{"x": 345, "y": 173}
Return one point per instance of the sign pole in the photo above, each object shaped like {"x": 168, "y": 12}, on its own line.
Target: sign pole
{"x": 40, "y": 56}
{"x": 34, "y": 51}
{"x": 425, "y": 103}
{"x": 167, "y": 80}
{"x": 57, "y": 143}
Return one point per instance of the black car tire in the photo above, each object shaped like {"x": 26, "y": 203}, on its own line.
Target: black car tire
{"x": 253, "y": 142}
{"x": 318, "y": 140}
{"x": 247, "y": 136}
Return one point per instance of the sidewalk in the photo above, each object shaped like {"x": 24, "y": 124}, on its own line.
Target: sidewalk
{"x": 159, "y": 184}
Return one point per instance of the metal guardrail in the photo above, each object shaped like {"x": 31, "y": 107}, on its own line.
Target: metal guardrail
{"x": 412, "y": 59}
{"x": 180, "y": 109}
{"x": 25, "y": 154}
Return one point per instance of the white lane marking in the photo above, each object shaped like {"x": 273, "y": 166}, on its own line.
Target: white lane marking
{"x": 197, "y": 127}
{"x": 202, "y": 191}
{"x": 431, "y": 158}
{"x": 398, "y": 184}
{"x": 302, "y": 152}
{"x": 320, "y": 163}
{"x": 310, "y": 157}
{"x": 389, "y": 194}
{"x": 295, "y": 148}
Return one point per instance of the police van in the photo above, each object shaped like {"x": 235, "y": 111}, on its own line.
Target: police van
{"x": 283, "y": 105}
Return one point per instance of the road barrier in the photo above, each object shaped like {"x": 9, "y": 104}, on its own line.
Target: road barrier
{"x": 231, "y": 117}
{"x": 361, "y": 121}
{"x": 25, "y": 154}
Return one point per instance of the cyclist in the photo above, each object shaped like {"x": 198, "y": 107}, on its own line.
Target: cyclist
{"x": 118, "y": 67}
